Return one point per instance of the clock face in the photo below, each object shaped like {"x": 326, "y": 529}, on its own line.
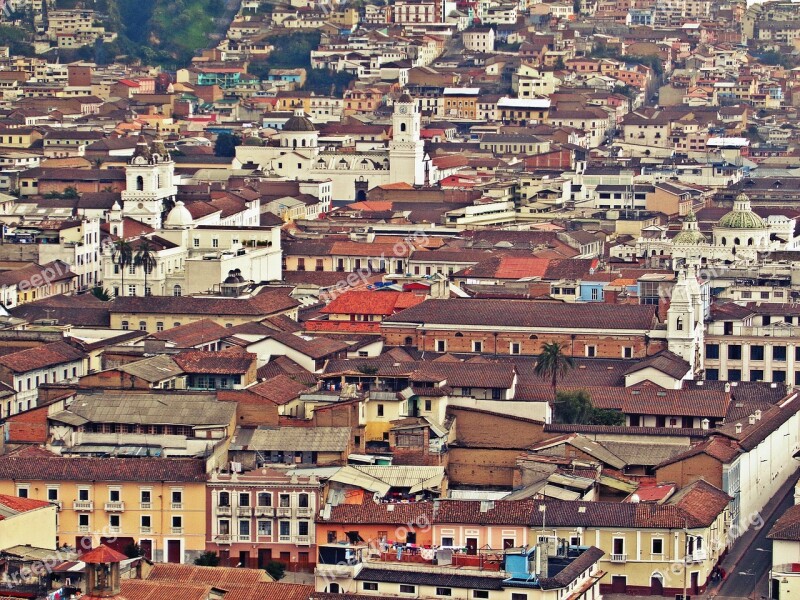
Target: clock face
{"x": 403, "y": 110}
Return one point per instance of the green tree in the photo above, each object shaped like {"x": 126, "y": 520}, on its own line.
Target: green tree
{"x": 70, "y": 192}
{"x": 276, "y": 569}
{"x": 225, "y": 145}
{"x": 101, "y": 293}
{"x": 122, "y": 256}
{"x": 573, "y": 408}
{"x": 133, "y": 550}
{"x": 146, "y": 258}
{"x": 553, "y": 364}
{"x": 207, "y": 559}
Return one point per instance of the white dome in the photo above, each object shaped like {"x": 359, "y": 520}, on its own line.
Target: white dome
{"x": 179, "y": 217}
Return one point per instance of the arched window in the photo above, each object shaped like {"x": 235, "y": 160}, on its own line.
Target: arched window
{"x": 409, "y": 341}
{"x": 724, "y": 241}
{"x": 749, "y": 241}
{"x": 334, "y": 588}
{"x": 402, "y": 127}
{"x": 158, "y": 181}
{"x": 139, "y": 183}
{"x": 737, "y": 242}
{"x": 176, "y": 290}
{"x": 459, "y": 334}
{"x": 304, "y": 143}
{"x": 294, "y": 143}
{"x": 534, "y": 337}
{"x": 679, "y": 324}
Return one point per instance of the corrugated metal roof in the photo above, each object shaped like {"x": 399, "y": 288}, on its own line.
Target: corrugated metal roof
{"x": 301, "y": 439}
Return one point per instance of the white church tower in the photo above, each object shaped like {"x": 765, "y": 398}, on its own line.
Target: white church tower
{"x": 406, "y": 150}
{"x": 685, "y": 332}
{"x": 149, "y": 177}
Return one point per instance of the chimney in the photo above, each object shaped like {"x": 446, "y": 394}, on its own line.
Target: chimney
{"x": 704, "y": 424}
{"x": 738, "y": 428}
{"x": 757, "y": 415}
{"x": 751, "y": 419}
{"x": 727, "y": 388}
{"x": 610, "y": 295}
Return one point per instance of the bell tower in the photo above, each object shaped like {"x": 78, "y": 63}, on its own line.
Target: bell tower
{"x": 406, "y": 150}
{"x": 149, "y": 182}
{"x": 102, "y": 572}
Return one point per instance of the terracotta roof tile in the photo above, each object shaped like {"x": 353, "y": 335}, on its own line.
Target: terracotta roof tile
{"x": 20, "y": 505}
{"x": 366, "y": 302}
{"x": 229, "y": 361}
{"x": 193, "y": 334}
{"x": 41, "y": 357}
{"x": 787, "y": 527}
{"x": 279, "y": 389}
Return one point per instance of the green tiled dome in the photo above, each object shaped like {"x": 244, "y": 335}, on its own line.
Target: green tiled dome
{"x": 742, "y": 217}
{"x": 688, "y": 236}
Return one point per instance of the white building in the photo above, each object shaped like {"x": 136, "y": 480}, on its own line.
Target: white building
{"x": 149, "y": 182}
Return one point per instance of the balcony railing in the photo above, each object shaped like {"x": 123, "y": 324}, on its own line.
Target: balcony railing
{"x": 83, "y": 505}
{"x": 145, "y": 505}
{"x": 264, "y": 511}
{"x": 283, "y": 512}
{"x": 304, "y": 511}
{"x": 223, "y": 538}
{"x": 303, "y": 540}
{"x": 177, "y": 530}
{"x": 244, "y": 538}
{"x": 83, "y": 528}
{"x": 284, "y": 538}
{"x": 619, "y": 558}
{"x": 244, "y": 511}
{"x": 115, "y": 506}
{"x": 145, "y": 530}
{"x": 224, "y": 510}
{"x": 112, "y": 529}
{"x": 176, "y": 505}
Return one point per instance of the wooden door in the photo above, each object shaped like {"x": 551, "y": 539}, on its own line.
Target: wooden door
{"x": 147, "y": 548}
{"x": 173, "y": 551}
{"x": 656, "y": 586}
{"x": 619, "y": 585}
{"x": 472, "y": 546}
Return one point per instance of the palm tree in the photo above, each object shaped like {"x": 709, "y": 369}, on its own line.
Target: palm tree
{"x": 122, "y": 256}
{"x": 145, "y": 258}
{"x": 552, "y": 363}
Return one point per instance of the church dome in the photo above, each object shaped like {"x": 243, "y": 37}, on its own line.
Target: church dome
{"x": 299, "y": 122}
{"x": 742, "y": 216}
{"x": 690, "y": 235}
{"x": 179, "y": 217}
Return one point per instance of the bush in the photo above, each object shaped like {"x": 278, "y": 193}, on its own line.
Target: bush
{"x": 276, "y": 569}
{"x": 207, "y": 559}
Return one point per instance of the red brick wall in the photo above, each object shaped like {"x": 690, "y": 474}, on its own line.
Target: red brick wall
{"x": 607, "y": 346}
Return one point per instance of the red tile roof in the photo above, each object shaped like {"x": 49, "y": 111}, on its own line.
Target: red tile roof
{"x": 787, "y": 527}
{"x": 232, "y": 360}
{"x": 718, "y": 447}
{"x": 21, "y": 505}
{"x": 372, "y": 513}
{"x": 370, "y": 302}
{"x": 193, "y": 334}
{"x": 41, "y": 357}
{"x": 102, "y": 554}
{"x": 37, "y": 464}
{"x": 223, "y": 577}
{"x": 279, "y": 389}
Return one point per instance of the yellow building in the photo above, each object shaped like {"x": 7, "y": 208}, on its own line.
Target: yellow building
{"x": 158, "y": 503}
{"x": 27, "y": 522}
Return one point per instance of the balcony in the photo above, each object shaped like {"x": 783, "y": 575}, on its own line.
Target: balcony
{"x": 244, "y": 511}
{"x": 223, "y": 538}
{"x": 303, "y": 540}
{"x": 83, "y": 528}
{"x": 619, "y": 558}
{"x": 145, "y": 505}
{"x": 264, "y": 511}
{"x": 145, "y": 530}
{"x": 284, "y": 511}
{"x": 244, "y": 538}
{"x": 112, "y": 529}
{"x": 284, "y": 538}
{"x": 115, "y": 506}
{"x": 83, "y": 505}
{"x": 304, "y": 511}
{"x": 176, "y": 530}
{"x": 176, "y": 505}
{"x": 224, "y": 510}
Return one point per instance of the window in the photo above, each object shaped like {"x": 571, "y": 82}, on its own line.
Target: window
{"x": 176, "y": 291}
{"x": 265, "y": 528}
{"x": 302, "y": 528}
{"x": 779, "y": 376}
{"x": 302, "y": 500}
{"x": 440, "y": 591}
{"x": 83, "y": 494}
{"x": 22, "y": 491}
{"x": 369, "y": 586}
{"x": 215, "y": 243}
{"x": 734, "y": 374}
{"x": 519, "y": 596}
{"x": 712, "y": 374}
{"x": 145, "y": 522}
{"x": 728, "y": 328}
{"x": 477, "y": 346}
{"x": 177, "y": 497}
{"x": 591, "y": 351}
{"x": 627, "y": 352}
{"x": 428, "y": 405}
{"x": 113, "y": 495}
{"x": 756, "y": 352}
{"x": 264, "y": 499}
{"x": 712, "y": 350}
{"x": 244, "y": 498}
{"x": 441, "y": 346}
{"x": 113, "y": 522}
{"x": 244, "y": 528}
{"x": 779, "y": 353}
{"x": 83, "y": 521}
{"x": 757, "y": 375}
{"x": 735, "y": 352}
{"x": 380, "y": 410}
{"x": 125, "y": 325}
{"x": 177, "y": 522}
{"x": 657, "y": 546}
{"x": 142, "y": 325}
{"x": 514, "y": 348}
{"x": 284, "y": 528}
{"x": 284, "y": 501}
{"x": 480, "y": 593}
{"x": 52, "y": 494}
{"x": 408, "y": 589}
{"x": 145, "y": 497}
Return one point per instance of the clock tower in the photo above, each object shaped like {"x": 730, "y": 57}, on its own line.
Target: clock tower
{"x": 406, "y": 151}
{"x": 150, "y": 186}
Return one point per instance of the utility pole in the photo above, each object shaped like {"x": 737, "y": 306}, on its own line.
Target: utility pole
{"x": 685, "y": 554}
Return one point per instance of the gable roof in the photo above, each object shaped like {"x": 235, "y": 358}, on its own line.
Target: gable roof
{"x": 41, "y": 357}
{"x": 787, "y": 527}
